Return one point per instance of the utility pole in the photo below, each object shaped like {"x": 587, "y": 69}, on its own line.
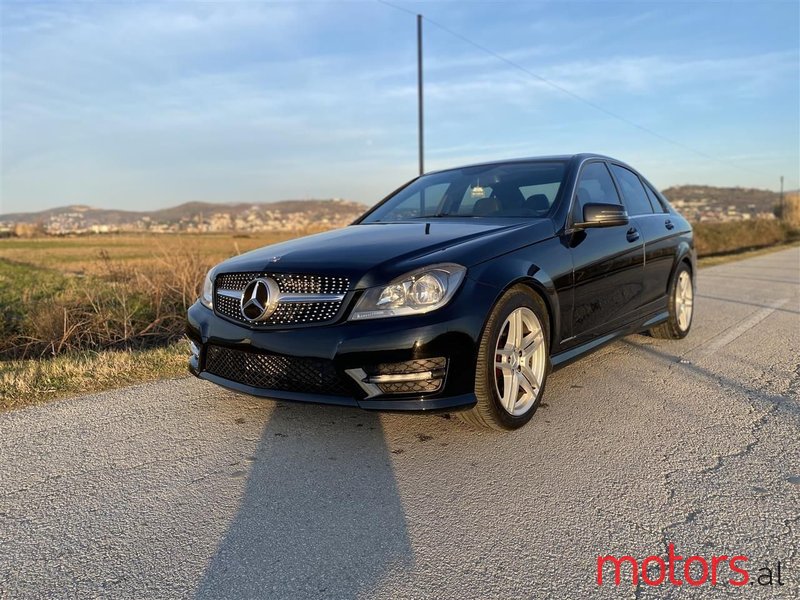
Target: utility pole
{"x": 419, "y": 94}
{"x": 783, "y": 209}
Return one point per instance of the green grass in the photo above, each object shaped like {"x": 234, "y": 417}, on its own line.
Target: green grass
{"x": 33, "y": 283}
{"x": 23, "y": 287}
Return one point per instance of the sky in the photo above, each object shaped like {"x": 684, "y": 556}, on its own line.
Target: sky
{"x": 141, "y": 105}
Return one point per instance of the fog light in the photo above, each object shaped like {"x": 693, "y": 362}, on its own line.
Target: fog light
{"x": 194, "y": 350}
{"x": 421, "y": 376}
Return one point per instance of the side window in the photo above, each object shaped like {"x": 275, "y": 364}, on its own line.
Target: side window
{"x": 633, "y": 194}
{"x": 594, "y": 185}
{"x": 657, "y": 205}
{"x": 428, "y": 202}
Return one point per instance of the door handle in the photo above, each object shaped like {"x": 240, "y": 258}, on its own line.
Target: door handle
{"x": 633, "y": 234}
{"x": 668, "y": 224}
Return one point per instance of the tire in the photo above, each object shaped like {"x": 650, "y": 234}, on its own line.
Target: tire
{"x": 678, "y": 324}
{"x": 513, "y": 379}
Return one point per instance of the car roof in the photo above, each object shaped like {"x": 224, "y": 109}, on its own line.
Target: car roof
{"x": 555, "y": 157}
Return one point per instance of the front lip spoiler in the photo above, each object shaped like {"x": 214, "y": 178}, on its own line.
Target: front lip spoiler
{"x": 451, "y": 403}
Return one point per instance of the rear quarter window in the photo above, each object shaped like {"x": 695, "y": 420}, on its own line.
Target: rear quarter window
{"x": 658, "y": 205}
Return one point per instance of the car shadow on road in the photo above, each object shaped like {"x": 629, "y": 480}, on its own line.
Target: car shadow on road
{"x": 743, "y": 303}
{"x": 321, "y": 515}
{"x": 699, "y": 372}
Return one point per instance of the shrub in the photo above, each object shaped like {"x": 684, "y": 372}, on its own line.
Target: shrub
{"x": 122, "y": 307}
{"x": 721, "y": 238}
{"x": 790, "y": 211}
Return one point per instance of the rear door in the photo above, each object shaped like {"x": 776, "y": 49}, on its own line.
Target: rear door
{"x": 608, "y": 261}
{"x": 648, "y": 216}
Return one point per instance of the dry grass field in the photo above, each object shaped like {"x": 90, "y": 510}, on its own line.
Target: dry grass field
{"x": 99, "y": 292}
{"x": 86, "y": 313}
{"x": 89, "y": 254}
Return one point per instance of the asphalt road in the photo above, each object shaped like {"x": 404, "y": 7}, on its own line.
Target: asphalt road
{"x": 182, "y": 489}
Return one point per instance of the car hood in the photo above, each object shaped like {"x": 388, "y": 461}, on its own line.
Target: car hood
{"x": 375, "y": 253}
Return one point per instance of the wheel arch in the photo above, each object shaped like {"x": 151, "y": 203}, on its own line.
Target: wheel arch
{"x": 537, "y": 288}
{"x": 546, "y": 294}
{"x": 685, "y": 255}
{"x": 537, "y": 267}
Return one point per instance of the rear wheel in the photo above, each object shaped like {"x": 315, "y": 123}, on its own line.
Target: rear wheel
{"x": 681, "y": 306}
{"x": 513, "y": 362}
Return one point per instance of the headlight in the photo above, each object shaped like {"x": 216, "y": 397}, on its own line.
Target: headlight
{"x": 207, "y": 297}
{"x": 414, "y": 293}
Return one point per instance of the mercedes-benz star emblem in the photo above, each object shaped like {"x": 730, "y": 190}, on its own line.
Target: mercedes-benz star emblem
{"x": 258, "y": 299}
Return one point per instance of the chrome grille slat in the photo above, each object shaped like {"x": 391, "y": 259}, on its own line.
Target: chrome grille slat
{"x": 304, "y": 299}
{"x": 289, "y": 284}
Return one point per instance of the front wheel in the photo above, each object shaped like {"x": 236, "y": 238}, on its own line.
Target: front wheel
{"x": 681, "y": 306}
{"x": 513, "y": 362}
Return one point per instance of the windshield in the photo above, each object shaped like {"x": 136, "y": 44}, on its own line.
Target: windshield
{"x": 520, "y": 189}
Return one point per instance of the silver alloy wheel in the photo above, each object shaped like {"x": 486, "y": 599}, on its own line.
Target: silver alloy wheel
{"x": 519, "y": 362}
{"x": 684, "y": 300}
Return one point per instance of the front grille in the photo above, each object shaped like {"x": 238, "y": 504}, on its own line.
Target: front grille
{"x": 289, "y": 284}
{"x": 296, "y": 311}
{"x": 276, "y": 372}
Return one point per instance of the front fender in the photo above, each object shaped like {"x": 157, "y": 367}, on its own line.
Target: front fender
{"x": 545, "y": 267}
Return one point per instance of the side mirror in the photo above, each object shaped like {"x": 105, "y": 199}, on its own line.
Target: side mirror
{"x": 596, "y": 214}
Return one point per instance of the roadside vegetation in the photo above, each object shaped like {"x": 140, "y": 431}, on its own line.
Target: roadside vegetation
{"x": 29, "y": 381}
{"x": 720, "y": 259}
{"x": 81, "y": 314}
{"x": 713, "y": 239}
{"x": 62, "y": 295}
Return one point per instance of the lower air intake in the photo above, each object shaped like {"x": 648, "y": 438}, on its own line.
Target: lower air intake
{"x": 275, "y": 372}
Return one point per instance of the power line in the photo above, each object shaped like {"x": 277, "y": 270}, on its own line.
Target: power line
{"x": 572, "y": 94}
{"x": 396, "y": 7}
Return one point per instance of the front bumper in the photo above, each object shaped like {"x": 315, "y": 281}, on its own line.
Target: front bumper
{"x": 452, "y": 332}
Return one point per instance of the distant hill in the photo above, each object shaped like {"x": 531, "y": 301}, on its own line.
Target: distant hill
{"x": 696, "y": 202}
{"x": 285, "y": 215}
{"x": 189, "y": 210}
{"x": 705, "y": 202}
{"x": 113, "y": 217}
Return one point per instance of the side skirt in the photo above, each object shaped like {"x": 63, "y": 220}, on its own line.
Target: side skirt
{"x": 562, "y": 359}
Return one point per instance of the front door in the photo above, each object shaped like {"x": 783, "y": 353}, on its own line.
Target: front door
{"x": 607, "y": 262}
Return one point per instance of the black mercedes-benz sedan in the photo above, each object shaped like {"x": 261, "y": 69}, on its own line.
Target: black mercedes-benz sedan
{"x": 460, "y": 291}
